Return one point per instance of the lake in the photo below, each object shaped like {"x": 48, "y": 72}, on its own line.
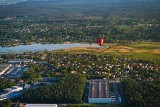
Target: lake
{"x": 42, "y": 47}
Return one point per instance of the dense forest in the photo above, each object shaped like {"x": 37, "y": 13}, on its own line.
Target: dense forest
{"x": 4, "y": 83}
{"x": 93, "y": 105}
{"x": 69, "y": 90}
{"x": 5, "y": 103}
{"x": 58, "y": 21}
{"x": 142, "y": 94}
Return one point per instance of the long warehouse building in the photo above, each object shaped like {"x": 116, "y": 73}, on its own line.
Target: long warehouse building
{"x": 19, "y": 61}
{"x": 99, "y": 91}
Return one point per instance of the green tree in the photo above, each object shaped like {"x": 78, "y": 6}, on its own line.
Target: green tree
{"x": 5, "y": 103}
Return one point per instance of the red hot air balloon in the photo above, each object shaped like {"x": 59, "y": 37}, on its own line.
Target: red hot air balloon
{"x": 100, "y": 41}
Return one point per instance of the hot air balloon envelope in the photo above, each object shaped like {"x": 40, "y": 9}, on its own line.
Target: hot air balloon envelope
{"x": 100, "y": 41}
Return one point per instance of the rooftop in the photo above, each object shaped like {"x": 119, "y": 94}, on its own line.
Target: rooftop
{"x": 3, "y": 66}
{"x": 41, "y": 105}
{"x": 14, "y": 61}
{"x": 20, "y": 60}
{"x": 41, "y": 62}
{"x": 98, "y": 88}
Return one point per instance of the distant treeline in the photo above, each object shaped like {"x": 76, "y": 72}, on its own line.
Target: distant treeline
{"x": 58, "y": 21}
{"x": 82, "y": 8}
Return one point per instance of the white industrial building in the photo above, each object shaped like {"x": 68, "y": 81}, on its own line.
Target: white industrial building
{"x": 4, "y": 68}
{"x": 13, "y": 89}
{"x": 19, "y": 61}
{"x": 41, "y": 105}
{"x": 99, "y": 91}
{"x": 16, "y": 88}
{"x": 12, "y": 70}
{"x": 13, "y": 92}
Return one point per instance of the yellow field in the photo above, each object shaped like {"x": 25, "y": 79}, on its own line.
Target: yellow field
{"x": 118, "y": 49}
{"x": 146, "y": 51}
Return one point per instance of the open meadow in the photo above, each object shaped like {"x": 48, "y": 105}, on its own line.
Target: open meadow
{"x": 149, "y": 51}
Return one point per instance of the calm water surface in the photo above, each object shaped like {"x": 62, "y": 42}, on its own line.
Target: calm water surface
{"x": 42, "y": 47}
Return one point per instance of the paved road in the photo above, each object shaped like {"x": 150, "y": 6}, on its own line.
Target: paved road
{"x": 86, "y": 92}
{"x": 116, "y": 93}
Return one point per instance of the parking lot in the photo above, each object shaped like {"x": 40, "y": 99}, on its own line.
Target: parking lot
{"x": 86, "y": 92}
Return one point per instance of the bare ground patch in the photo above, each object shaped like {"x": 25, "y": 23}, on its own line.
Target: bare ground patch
{"x": 156, "y": 51}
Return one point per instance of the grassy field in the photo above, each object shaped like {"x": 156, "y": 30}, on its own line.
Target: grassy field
{"x": 146, "y": 45}
{"x": 148, "y": 51}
